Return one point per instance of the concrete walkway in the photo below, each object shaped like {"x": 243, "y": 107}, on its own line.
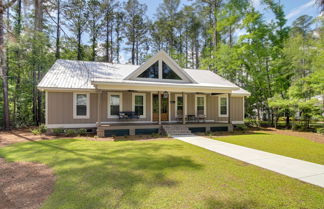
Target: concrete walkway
{"x": 305, "y": 171}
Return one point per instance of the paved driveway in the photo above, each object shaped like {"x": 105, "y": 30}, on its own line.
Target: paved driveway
{"x": 305, "y": 171}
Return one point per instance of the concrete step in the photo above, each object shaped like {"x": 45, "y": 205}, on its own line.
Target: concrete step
{"x": 176, "y": 129}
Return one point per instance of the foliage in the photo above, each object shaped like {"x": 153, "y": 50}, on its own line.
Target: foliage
{"x": 320, "y": 130}
{"x": 70, "y": 132}
{"x": 58, "y": 131}
{"x": 35, "y": 131}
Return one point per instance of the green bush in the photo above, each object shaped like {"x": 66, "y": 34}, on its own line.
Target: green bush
{"x": 58, "y": 131}
{"x": 240, "y": 127}
{"x": 320, "y": 131}
{"x": 70, "y": 132}
{"x": 36, "y": 131}
{"x": 81, "y": 131}
{"x": 42, "y": 128}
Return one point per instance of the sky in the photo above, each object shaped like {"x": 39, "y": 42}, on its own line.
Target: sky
{"x": 292, "y": 9}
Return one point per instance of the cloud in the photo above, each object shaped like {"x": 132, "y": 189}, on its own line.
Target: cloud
{"x": 296, "y": 11}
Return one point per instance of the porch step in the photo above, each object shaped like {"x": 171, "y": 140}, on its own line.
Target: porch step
{"x": 176, "y": 129}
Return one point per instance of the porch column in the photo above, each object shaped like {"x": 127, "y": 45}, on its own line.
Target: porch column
{"x": 99, "y": 108}
{"x": 183, "y": 109}
{"x": 229, "y": 108}
{"x": 159, "y": 107}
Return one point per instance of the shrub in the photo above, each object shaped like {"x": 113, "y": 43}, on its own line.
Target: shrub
{"x": 81, "y": 131}
{"x": 240, "y": 127}
{"x": 36, "y": 131}
{"x": 42, "y": 128}
{"x": 320, "y": 131}
{"x": 70, "y": 132}
{"x": 58, "y": 131}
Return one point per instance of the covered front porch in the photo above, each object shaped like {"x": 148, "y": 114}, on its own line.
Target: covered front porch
{"x": 131, "y": 112}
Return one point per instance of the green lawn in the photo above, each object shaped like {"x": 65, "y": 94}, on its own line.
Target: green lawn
{"x": 291, "y": 146}
{"x": 158, "y": 174}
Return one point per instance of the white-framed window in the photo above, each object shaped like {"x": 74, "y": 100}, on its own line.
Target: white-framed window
{"x": 180, "y": 105}
{"x": 81, "y": 105}
{"x": 139, "y": 104}
{"x": 115, "y": 101}
{"x": 200, "y": 107}
{"x": 223, "y": 106}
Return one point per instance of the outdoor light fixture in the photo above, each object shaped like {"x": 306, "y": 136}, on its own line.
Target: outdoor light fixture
{"x": 165, "y": 95}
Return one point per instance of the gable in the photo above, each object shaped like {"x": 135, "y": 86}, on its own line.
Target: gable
{"x": 161, "y": 67}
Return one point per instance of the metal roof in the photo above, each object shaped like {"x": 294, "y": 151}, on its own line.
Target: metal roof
{"x": 72, "y": 74}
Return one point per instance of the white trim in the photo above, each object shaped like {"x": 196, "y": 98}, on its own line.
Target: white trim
{"x": 169, "y": 106}
{"x": 120, "y": 94}
{"x": 46, "y": 108}
{"x": 184, "y": 104}
{"x": 205, "y": 103}
{"x": 72, "y": 125}
{"x": 151, "y": 106}
{"x": 144, "y": 103}
{"x": 243, "y": 107}
{"x": 75, "y": 116}
{"x": 219, "y": 105}
{"x": 238, "y": 122}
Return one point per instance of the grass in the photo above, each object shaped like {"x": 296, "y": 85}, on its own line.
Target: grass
{"x": 290, "y": 146}
{"x": 158, "y": 174}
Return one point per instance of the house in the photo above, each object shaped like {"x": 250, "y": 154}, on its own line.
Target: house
{"x": 121, "y": 99}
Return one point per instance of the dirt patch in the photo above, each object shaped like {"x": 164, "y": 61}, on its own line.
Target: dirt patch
{"x": 24, "y": 185}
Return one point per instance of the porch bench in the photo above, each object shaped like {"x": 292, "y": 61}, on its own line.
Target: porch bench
{"x": 128, "y": 115}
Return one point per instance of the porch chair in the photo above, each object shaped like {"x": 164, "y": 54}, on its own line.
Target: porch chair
{"x": 201, "y": 118}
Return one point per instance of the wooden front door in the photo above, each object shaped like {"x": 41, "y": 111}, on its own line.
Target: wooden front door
{"x": 164, "y": 108}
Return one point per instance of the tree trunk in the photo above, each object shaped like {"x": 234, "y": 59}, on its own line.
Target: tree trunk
{"x": 111, "y": 43}
{"x": 58, "y": 30}
{"x": 79, "y": 44}
{"x": 107, "y": 40}
{"x": 4, "y": 73}
{"x": 3, "y": 68}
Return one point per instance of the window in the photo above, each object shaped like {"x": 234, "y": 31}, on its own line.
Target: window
{"x": 223, "y": 106}
{"x": 180, "y": 105}
{"x": 139, "y": 104}
{"x": 200, "y": 105}
{"x": 81, "y": 105}
{"x": 114, "y": 104}
{"x": 168, "y": 73}
{"x": 151, "y": 72}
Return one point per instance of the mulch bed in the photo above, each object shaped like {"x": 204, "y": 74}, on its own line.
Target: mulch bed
{"x": 24, "y": 185}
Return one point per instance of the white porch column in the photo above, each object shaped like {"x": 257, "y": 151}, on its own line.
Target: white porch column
{"x": 99, "y": 108}
{"x": 183, "y": 109}
{"x": 229, "y": 108}
{"x": 159, "y": 107}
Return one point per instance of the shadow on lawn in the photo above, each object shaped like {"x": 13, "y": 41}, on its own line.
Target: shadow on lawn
{"x": 102, "y": 175}
{"x": 213, "y": 203}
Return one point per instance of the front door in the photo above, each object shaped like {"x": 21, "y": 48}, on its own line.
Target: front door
{"x": 164, "y": 108}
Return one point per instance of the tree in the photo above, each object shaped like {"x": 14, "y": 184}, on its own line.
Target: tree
{"x": 76, "y": 16}
{"x": 95, "y": 24}
{"x": 135, "y": 27}
{"x": 3, "y": 67}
